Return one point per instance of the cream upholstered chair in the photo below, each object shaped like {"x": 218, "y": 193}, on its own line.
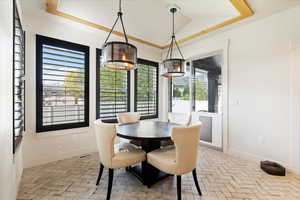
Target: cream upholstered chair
{"x": 129, "y": 117}
{"x": 178, "y": 118}
{"x": 109, "y": 156}
{"x": 183, "y": 158}
{"x": 195, "y": 118}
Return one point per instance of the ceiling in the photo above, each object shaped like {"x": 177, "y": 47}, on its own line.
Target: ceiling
{"x": 150, "y": 20}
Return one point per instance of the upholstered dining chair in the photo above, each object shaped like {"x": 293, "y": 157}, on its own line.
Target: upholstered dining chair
{"x": 183, "y": 158}
{"x": 195, "y": 117}
{"x": 183, "y": 119}
{"x": 127, "y": 118}
{"x": 179, "y": 118}
{"x": 111, "y": 157}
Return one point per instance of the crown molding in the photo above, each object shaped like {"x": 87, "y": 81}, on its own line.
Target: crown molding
{"x": 241, "y": 5}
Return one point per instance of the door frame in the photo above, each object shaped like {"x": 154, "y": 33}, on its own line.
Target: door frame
{"x": 223, "y": 49}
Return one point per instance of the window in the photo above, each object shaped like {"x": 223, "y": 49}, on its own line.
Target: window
{"x": 112, "y": 92}
{"x": 180, "y": 93}
{"x": 207, "y": 84}
{"x": 201, "y": 90}
{"x": 62, "y": 83}
{"x": 146, "y": 89}
{"x": 18, "y": 79}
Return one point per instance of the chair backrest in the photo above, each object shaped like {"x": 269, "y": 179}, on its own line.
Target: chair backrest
{"x": 195, "y": 117}
{"x": 186, "y": 140}
{"x": 180, "y": 118}
{"x": 105, "y": 136}
{"x": 129, "y": 117}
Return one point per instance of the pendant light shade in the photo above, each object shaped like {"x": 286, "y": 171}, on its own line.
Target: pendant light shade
{"x": 118, "y": 55}
{"x": 173, "y": 67}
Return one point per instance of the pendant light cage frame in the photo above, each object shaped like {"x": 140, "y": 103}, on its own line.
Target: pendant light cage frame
{"x": 173, "y": 67}
{"x": 117, "y": 55}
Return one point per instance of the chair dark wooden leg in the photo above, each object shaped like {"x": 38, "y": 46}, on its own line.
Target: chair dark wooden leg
{"x": 196, "y": 182}
{"x": 179, "y": 187}
{"x": 100, "y": 174}
{"x": 110, "y": 182}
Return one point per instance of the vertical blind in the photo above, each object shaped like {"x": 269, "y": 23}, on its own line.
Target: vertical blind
{"x": 146, "y": 89}
{"x": 62, "y": 74}
{"x": 113, "y": 92}
{"x": 18, "y": 76}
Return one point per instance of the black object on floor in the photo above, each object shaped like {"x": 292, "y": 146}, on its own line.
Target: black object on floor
{"x": 272, "y": 168}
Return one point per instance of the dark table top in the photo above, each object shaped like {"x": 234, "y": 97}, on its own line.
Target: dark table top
{"x": 146, "y": 130}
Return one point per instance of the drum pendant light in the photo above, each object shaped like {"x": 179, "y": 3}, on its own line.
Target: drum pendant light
{"x": 173, "y": 67}
{"x": 118, "y": 55}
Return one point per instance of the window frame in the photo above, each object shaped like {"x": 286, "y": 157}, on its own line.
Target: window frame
{"x": 170, "y": 92}
{"x": 40, "y": 40}
{"x": 98, "y": 63}
{"x": 156, "y": 65}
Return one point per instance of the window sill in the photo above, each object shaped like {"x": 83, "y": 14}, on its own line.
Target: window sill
{"x": 64, "y": 132}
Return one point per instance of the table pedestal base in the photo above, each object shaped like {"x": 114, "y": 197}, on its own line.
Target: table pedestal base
{"x": 145, "y": 172}
{"x": 147, "y": 179}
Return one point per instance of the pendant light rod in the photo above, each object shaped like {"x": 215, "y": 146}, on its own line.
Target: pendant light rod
{"x": 120, "y": 14}
{"x": 173, "y": 10}
{"x": 120, "y": 6}
{"x": 173, "y": 40}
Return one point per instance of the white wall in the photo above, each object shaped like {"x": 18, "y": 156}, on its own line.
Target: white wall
{"x": 45, "y": 147}
{"x": 10, "y": 165}
{"x": 259, "y": 86}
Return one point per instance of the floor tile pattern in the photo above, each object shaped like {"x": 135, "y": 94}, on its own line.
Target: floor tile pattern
{"x": 221, "y": 177}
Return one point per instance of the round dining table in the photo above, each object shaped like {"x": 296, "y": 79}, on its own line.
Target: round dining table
{"x": 148, "y": 134}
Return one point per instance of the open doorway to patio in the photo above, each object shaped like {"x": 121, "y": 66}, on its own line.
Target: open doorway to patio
{"x": 206, "y": 98}
{"x": 200, "y": 90}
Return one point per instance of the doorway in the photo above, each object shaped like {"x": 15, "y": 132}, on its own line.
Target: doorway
{"x": 206, "y": 97}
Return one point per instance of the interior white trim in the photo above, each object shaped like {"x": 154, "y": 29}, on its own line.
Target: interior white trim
{"x": 223, "y": 49}
{"x": 56, "y": 133}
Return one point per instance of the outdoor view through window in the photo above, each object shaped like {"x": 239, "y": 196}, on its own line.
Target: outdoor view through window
{"x": 63, "y": 86}
{"x": 181, "y": 94}
{"x": 200, "y": 88}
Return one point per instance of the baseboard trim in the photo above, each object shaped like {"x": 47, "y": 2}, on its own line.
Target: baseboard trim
{"x": 62, "y": 156}
{"x": 257, "y": 159}
{"x": 209, "y": 145}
